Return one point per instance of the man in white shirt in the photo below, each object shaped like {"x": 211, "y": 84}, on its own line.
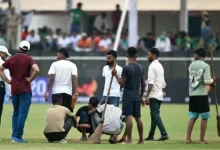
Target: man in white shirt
{"x": 163, "y": 43}
{"x": 74, "y": 39}
{"x": 112, "y": 120}
{"x": 105, "y": 43}
{"x": 64, "y": 74}
{"x": 156, "y": 84}
{"x": 33, "y": 38}
{"x": 3, "y": 55}
{"x": 115, "y": 93}
{"x": 64, "y": 41}
{"x": 101, "y": 23}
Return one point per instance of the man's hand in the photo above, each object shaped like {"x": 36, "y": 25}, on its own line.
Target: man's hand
{"x": 214, "y": 78}
{"x": 75, "y": 96}
{"x": 147, "y": 102}
{"x": 142, "y": 102}
{"x": 28, "y": 79}
{"x": 47, "y": 96}
{"x": 10, "y": 98}
{"x": 114, "y": 72}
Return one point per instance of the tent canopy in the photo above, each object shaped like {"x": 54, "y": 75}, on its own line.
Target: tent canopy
{"x": 109, "y": 5}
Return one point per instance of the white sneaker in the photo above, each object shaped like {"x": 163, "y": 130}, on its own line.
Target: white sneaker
{"x": 63, "y": 141}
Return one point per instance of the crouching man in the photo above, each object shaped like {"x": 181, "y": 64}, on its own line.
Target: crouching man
{"x": 59, "y": 121}
{"x": 83, "y": 119}
{"x": 112, "y": 120}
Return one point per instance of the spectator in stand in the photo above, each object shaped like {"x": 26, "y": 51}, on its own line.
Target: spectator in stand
{"x": 206, "y": 34}
{"x": 77, "y": 15}
{"x": 217, "y": 40}
{"x": 101, "y": 23}
{"x": 34, "y": 39}
{"x": 123, "y": 43}
{"x": 84, "y": 45}
{"x": 49, "y": 40}
{"x": 116, "y": 17}
{"x": 183, "y": 41}
{"x": 96, "y": 39}
{"x": 205, "y": 17}
{"x": 56, "y": 37}
{"x": 147, "y": 42}
{"x": 163, "y": 43}
{"x": 105, "y": 44}
{"x": 74, "y": 39}
{"x": 25, "y": 33}
{"x": 64, "y": 41}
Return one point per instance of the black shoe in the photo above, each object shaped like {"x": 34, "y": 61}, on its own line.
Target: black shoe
{"x": 149, "y": 138}
{"x": 163, "y": 138}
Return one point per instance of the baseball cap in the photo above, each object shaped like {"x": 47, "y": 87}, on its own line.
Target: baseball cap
{"x": 5, "y": 50}
{"x": 25, "y": 45}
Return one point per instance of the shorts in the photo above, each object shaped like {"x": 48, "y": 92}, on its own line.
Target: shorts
{"x": 131, "y": 108}
{"x": 199, "y": 105}
{"x": 67, "y": 100}
{"x": 204, "y": 115}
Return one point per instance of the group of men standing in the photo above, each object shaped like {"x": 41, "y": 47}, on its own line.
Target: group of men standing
{"x": 63, "y": 76}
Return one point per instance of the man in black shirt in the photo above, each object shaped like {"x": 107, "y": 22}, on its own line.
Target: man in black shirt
{"x": 83, "y": 119}
{"x": 132, "y": 78}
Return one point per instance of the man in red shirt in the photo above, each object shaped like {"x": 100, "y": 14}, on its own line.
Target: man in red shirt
{"x": 20, "y": 66}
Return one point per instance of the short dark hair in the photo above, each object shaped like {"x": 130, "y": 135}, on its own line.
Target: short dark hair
{"x": 94, "y": 101}
{"x": 57, "y": 98}
{"x": 201, "y": 52}
{"x": 79, "y": 4}
{"x": 155, "y": 51}
{"x": 112, "y": 52}
{"x": 132, "y": 52}
{"x": 64, "y": 52}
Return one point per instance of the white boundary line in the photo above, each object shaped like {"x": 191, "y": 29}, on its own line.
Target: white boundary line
{"x": 121, "y": 58}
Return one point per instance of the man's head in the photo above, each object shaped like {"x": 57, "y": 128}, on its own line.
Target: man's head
{"x": 132, "y": 52}
{"x": 153, "y": 54}
{"x": 111, "y": 57}
{"x": 62, "y": 54}
{"x": 24, "y": 46}
{"x": 79, "y": 6}
{"x": 117, "y": 7}
{"x": 4, "y": 52}
{"x": 93, "y": 102}
{"x": 57, "y": 99}
{"x": 200, "y": 53}
{"x": 32, "y": 32}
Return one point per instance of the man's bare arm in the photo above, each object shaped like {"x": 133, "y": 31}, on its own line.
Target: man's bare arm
{"x": 36, "y": 70}
{"x": 75, "y": 83}
{"x": 142, "y": 86}
{"x": 52, "y": 76}
{"x": 91, "y": 112}
{"x": 3, "y": 76}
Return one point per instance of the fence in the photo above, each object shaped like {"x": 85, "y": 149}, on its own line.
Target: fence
{"x": 91, "y": 82}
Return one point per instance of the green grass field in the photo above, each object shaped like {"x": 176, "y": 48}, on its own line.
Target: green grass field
{"x": 175, "y": 118}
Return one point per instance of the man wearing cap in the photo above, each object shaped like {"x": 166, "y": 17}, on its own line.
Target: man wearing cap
{"x": 63, "y": 73}
{"x": 3, "y": 55}
{"x": 20, "y": 66}
{"x": 84, "y": 45}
